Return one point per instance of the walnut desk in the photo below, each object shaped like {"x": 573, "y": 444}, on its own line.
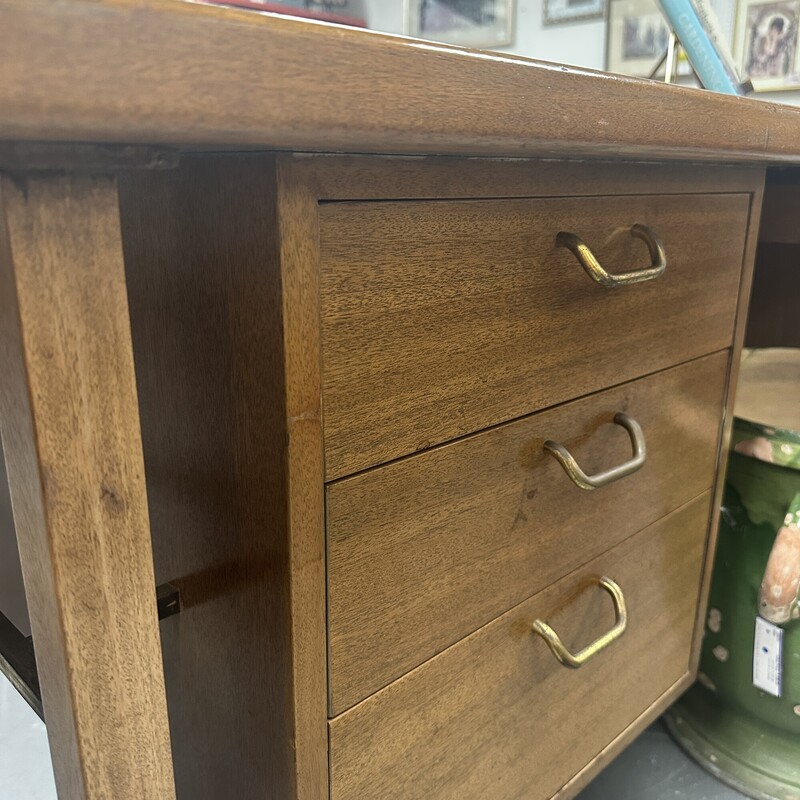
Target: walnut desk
{"x": 406, "y": 367}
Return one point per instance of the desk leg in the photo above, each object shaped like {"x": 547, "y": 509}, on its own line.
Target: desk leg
{"x": 70, "y": 427}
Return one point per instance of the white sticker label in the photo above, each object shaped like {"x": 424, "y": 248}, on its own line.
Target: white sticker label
{"x": 767, "y": 657}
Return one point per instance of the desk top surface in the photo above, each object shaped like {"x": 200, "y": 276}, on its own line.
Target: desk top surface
{"x": 179, "y": 73}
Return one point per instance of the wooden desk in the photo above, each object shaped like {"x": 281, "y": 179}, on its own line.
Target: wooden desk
{"x": 313, "y": 393}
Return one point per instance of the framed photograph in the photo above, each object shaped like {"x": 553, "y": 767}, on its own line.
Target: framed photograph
{"x": 338, "y": 11}
{"x": 471, "y": 23}
{"x": 558, "y": 11}
{"x": 766, "y": 43}
{"x": 637, "y": 38}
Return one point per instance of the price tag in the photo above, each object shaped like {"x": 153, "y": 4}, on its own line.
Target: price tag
{"x": 767, "y": 663}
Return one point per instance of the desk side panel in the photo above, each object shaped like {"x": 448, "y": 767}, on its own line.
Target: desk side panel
{"x": 203, "y": 260}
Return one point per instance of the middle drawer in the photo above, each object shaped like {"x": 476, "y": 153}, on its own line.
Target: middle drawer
{"x": 426, "y": 550}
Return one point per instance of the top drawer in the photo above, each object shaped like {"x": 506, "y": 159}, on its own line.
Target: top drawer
{"x": 440, "y": 318}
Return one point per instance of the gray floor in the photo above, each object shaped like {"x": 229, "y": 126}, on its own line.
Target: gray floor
{"x": 652, "y": 768}
{"x": 26, "y": 772}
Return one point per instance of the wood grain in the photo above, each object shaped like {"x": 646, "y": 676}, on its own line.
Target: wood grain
{"x": 229, "y": 394}
{"x": 297, "y": 231}
{"x": 582, "y": 779}
{"x": 496, "y": 714}
{"x": 223, "y": 267}
{"x": 71, "y": 436}
{"x": 364, "y": 177}
{"x": 160, "y": 71}
{"x": 742, "y": 303}
{"x": 460, "y": 534}
{"x": 440, "y": 319}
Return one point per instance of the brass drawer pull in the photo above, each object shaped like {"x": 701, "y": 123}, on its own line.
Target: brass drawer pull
{"x": 597, "y": 273}
{"x": 589, "y": 482}
{"x": 590, "y": 651}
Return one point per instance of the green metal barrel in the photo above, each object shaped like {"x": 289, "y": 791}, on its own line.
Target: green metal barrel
{"x": 742, "y": 719}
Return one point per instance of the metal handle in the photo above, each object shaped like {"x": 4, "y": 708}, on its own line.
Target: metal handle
{"x": 590, "y": 651}
{"x": 596, "y": 272}
{"x": 589, "y": 482}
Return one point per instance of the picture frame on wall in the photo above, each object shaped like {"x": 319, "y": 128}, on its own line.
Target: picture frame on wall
{"x": 636, "y": 38}
{"x": 471, "y": 23}
{"x": 766, "y": 43}
{"x": 557, "y": 12}
{"x": 341, "y": 12}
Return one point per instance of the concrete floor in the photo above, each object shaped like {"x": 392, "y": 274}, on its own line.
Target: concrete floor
{"x": 655, "y": 768}
{"x": 652, "y": 768}
{"x": 26, "y": 772}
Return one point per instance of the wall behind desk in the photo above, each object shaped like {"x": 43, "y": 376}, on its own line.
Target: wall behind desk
{"x": 581, "y": 44}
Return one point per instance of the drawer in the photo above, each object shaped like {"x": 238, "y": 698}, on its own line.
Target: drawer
{"x": 424, "y": 551}
{"x": 496, "y": 715}
{"x": 441, "y": 318}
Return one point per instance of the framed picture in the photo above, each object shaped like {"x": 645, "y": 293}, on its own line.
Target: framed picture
{"x": 471, "y": 23}
{"x": 637, "y": 38}
{"x": 339, "y": 12}
{"x": 557, "y": 11}
{"x": 766, "y": 43}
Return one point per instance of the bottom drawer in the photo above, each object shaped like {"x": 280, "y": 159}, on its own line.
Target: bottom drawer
{"x": 497, "y": 716}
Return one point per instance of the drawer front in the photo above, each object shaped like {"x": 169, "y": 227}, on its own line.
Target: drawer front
{"x": 424, "y": 551}
{"x": 443, "y": 318}
{"x": 496, "y": 715}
